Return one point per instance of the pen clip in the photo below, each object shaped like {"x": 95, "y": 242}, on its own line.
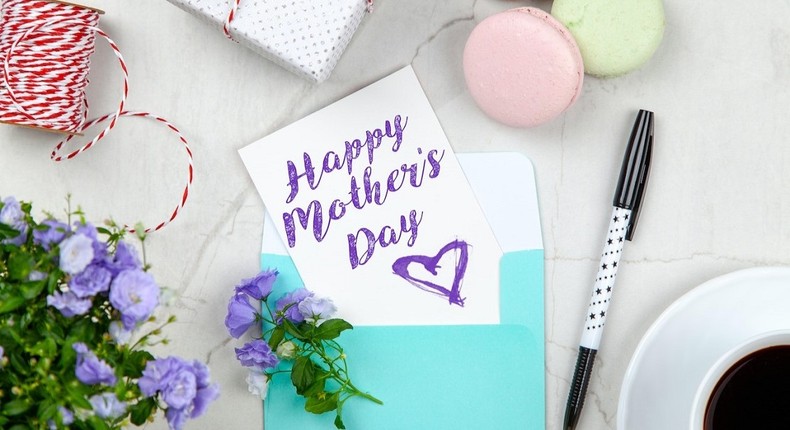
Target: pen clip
{"x": 635, "y": 169}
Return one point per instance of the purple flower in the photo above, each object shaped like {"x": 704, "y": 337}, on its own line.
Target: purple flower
{"x": 66, "y": 418}
{"x": 99, "y": 247}
{"x": 91, "y": 281}
{"x": 258, "y": 287}
{"x": 256, "y": 354}
{"x": 76, "y": 252}
{"x": 35, "y": 275}
{"x": 11, "y": 215}
{"x": 125, "y": 258}
{"x": 176, "y": 418}
{"x": 203, "y": 397}
{"x": 317, "y": 309}
{"x": 66, "y": 415}
{"x": 241, "y": 315}
{"x": 107, "y": 405}
{"x": 68, "y": 303}
{"x": 293, "y": 298}
{"x": 119, "y": 333}
{"x": 185, "y": 388}
{"x": 180, "y": 390}
{"x": 157, "y": 374}
{"x": 90, "y": 369}
{"x": 50, "y": 232}
{"x": 135, "y": 294}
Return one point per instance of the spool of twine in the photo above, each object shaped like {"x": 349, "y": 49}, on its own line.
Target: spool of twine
{"x": 45, "y": 46}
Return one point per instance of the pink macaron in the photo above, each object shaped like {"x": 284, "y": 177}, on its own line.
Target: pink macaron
{"x": 523, "y": 67}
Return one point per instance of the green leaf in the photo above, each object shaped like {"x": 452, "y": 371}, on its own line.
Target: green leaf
{"x": 6, "y": 232}
{"x": 45, "y": 348}
{"x": 134, "y": 365}
{"x": 142, "y": 410}
{"x": 319, "y": 386}
{"x": 331, "y": 329}
{"x": 293, "y": 330}
{"x": 11, "y": 303}
{"x": 19, "y": 265}
{"x": 97, "y": 423}
{"x": 83, "y": 329}
{"x": 339, "y": 422}
{"x": 47, "y": 410}
{"x": 77, "y": 394}
{"x": 319, "y": 405}
{"x": 303, "y": 374}
{"x": 32, "y": 289}
{"x": 277, "y": 336}
{"x": 16, "y": 407}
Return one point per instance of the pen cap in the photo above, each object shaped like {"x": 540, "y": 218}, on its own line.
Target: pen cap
{"x": 635, "y": 169}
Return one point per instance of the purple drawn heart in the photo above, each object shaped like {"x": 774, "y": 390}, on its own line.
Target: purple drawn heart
{"x": 401, "y": 268}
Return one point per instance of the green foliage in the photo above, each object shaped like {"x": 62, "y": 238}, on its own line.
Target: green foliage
{"x": 319, "y": 371}
{"x": 37, "y": 363}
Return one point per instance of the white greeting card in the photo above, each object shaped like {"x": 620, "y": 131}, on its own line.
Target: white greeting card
{"x": 376, "y": 212}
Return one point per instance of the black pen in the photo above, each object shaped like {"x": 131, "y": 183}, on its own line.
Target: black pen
{"x": 627, "y": 201}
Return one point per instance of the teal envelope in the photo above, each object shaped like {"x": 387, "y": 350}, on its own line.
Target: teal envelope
{"x": 445, "y": 377}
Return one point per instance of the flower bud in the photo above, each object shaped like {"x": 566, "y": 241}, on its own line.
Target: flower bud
{"x": 286, "y": 350}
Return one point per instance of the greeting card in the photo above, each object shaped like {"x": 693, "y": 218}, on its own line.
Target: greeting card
{"x": 376, "y": 212}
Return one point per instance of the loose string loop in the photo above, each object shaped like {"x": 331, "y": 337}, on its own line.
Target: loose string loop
{"x": 46, "y": 48}
{"x": 234, "y": 7}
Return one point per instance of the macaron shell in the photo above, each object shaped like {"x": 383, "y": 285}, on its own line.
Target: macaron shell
{"x": 522, "y": 67}
{"x": 614, "y": 36}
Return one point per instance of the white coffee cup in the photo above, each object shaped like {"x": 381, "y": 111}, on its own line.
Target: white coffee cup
{"x": 724, "y": 363}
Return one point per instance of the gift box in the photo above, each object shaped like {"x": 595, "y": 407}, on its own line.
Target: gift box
{"x": 306, "y": 37}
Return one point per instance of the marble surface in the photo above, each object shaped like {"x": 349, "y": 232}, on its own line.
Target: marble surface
{"x": 717, "y": 201}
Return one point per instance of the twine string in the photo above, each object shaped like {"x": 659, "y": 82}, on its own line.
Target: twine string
{"x": 46, "y": 48}
{"x": 234, "y": 7}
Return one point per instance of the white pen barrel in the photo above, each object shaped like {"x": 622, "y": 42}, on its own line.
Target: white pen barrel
{"x": 604, "y": 280}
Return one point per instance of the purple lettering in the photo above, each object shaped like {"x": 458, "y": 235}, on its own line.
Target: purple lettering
{"x": 355, "y": 200}
{"x": 353, "y": 149}
{"x": 333, "y": 215}
{"x": 434, "y": 162}
{"x": 412, "y": 228}
{"x": 393, "y": 176}
{"x": 398, "y": 132}
{"x": 293, "y": 177}
{"x": 337, "y": 164}
{"x": 304, "y": 220}
{"x": 354, "y": 258}
{"x": 387, "y": 236}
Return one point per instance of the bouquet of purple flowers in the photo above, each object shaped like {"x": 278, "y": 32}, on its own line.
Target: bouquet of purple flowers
{"x": 299, "y": 337}
{"x": 76, "y": 312}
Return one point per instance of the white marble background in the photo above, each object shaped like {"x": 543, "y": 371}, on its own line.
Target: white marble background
{"x": 718, "y": 198}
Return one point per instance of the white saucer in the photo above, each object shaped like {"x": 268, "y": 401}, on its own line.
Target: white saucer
{"x": 687, "y": 339}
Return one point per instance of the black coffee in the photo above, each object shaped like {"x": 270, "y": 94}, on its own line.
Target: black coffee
{"x": 753, "y": 394}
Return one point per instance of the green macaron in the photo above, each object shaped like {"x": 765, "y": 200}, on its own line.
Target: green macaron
{"x": 614, "y": 36}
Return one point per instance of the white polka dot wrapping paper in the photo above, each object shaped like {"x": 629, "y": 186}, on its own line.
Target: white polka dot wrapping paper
{"x": 306, "y": 37}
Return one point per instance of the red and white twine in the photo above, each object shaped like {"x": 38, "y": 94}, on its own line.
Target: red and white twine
{"x": 45, "y": 47}
{"x": 234, "y": 8}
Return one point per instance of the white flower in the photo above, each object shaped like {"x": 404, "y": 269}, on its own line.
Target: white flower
{"x": 76, "y": 253}
{"x": 317, "y": 309}
{"x": 167, "y": 296}
{"x": 286, "y": 350}
{"x": 258, "y": 383}
{"x": 119, "y": 333}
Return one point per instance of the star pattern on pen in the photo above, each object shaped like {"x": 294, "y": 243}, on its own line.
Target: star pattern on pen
{"x": 607, "y": 271}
